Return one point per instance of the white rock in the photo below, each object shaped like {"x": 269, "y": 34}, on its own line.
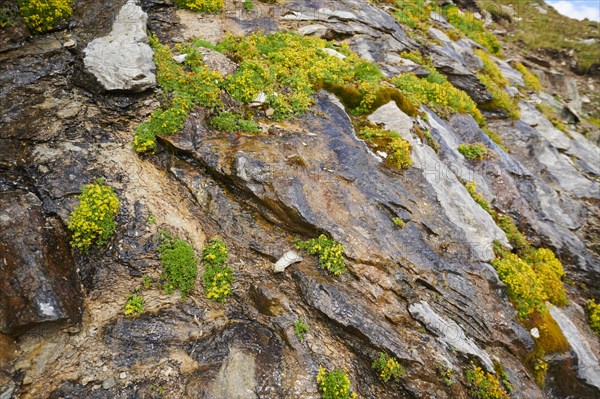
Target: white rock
{"x": 333, "y": 53}
{"x": 179, "y": 58}
{"x": 123, "y": 59}
{"x": 535, "y": 333}
{"x": 123, "y": 375}
{"x": 313, "y": 29}
{"x": 382, "y": 154}
{"x": 288, "y": 258}
{"x": 69, "y": 43}
{"x": 449, "y": 332}
{"x": 259, "y": 100}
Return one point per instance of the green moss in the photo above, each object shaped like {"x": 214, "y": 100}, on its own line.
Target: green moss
{"x": 134, "y": 305}
{"x": 476, "y": 151}
{"x": 300, "y": 328}
{"x": 248, "y": 5}
{"x": 231, "y": 122}
{"x": 388, "y": 368}
{"x": 334, "y": 384}
{"x": 93, "y": 219}
{"x": 179, "y": 263}
{"x": 44, "y": 15}
{"x": 330, "y": 252}
{"x": 217, "y": 276}
{"x": 472, "y": 28}
{"x": 398, "y": 222}
{"x": 495, "y": 137}
{"x": 484, "y": 385}
{"x": 203, "y": 6}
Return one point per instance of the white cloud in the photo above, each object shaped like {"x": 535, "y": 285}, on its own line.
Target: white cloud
{"x": 580, "y": 9}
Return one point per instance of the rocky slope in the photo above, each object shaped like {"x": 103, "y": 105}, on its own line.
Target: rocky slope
{"x": 425, "y": 294}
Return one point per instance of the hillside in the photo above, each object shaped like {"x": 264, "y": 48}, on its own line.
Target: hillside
{"x": 297, "y": 199}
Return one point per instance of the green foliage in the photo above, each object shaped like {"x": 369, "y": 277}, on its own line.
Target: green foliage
{"x": 387, "y": 368}
{"x": 218, "y": 277}
{"x": 472, "y": 28}
{"x": 248, "y": 5}
{"x": 179, "y": 263}
{"x": 490, "y": 68}
{"x": 231, "y": 122}
{"x": 334, "y": 384}
{"x": 134, "y": 305}
{"x": 484, "y": 385}
{"x": 413, "y": 13}
{"x": 443, "y": 97}
{"x": 447, "y": 375}
{"x": 531, "y": 81}
{"x": 593, "y": 311}
{"x": 288, "y": 68}
{"x": 93, "y": 220}
{"x": 151, "y": 219}
{"x": 330, "y": 252}
{"x": 476, "y": 151}
{"x": 495, "y": 137}
{"x": 500, "y": 98}
{"x": 367, "y": 97}
{"x": 146, "y": 282}
{"x": 301, "y": 329}
{"x": 397, "y": 149}
{"x": 398, "y": 222}
{"x": 7, "y": 16}
{"x": 212, "y": 6}
{"x": 43, "y": 15}
{"x": 189, "y": 84}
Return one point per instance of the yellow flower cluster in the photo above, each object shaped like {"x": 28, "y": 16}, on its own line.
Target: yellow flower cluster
{"x": 43, "y": 15}
{"x": 413, "y": 13}
{"x": 397, "y": 148}
{"x": 93, "y": 220}
{"x": 206, "y": 6}
{"x": 443, "y": 97}
{"x": 531, "y": 81}
{"x": 134, "y": 305}
{"x": 490, "y": 68}
{"x": 484, "y": 385}
{"x": 218, "y": 277}
{"x": 334, "y": 384}
{"x": 473, "y": 28}
{"x": 593, "y": 309}
{"x": 388, "y": 367}
{"x": 331, "y": 253}
{"x": 501, "y": 99}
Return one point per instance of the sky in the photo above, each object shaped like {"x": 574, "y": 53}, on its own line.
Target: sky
{"x": 578, "y": 9}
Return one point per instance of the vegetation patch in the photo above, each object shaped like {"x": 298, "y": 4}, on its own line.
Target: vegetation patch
{"x": 413, "y": 13}
{"x": 442, "y": 97}
{"x": 230, "y": 122}
{"x": 334, "y": 384}
{"x": 484, "y": 385}
{"x": 44, "y": 15}
{"x": 218, "y": 277}
{"x": 134, "y": 305}
{"x": 551, "y": 115}
{"x": 388, "y": 368}
{"x": 476, "y": 151}
{"x": 179, "y": 262}
{"x": 593, "y": 313}
{"x": 531, "y": 81}
{"x": 398, "y": 222}
{"x": 500, "y": 98}
{"x": 188, "y": 84}
{"x": 93, "y": 219}
{"x": 330, "y": 252}
{"x": 490, "y": 68}
{"x": 300, "y": 328}
{"x": 203, "y": 6}
{"x": 473, "y": 28}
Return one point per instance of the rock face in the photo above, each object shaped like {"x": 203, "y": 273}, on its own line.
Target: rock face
{"x": 423, "y": 293}
{"x": 39, "y": 281}
{"x": 123, "y": 59}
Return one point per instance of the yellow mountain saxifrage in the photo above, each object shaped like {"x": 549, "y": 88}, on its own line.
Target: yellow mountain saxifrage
{"x": 93, "y": 220}
{"x": 203, "y": 6}
{"x": 43, "y": 15}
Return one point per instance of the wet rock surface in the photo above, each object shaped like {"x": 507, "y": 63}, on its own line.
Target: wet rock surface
{"x": 422, "y": 293}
